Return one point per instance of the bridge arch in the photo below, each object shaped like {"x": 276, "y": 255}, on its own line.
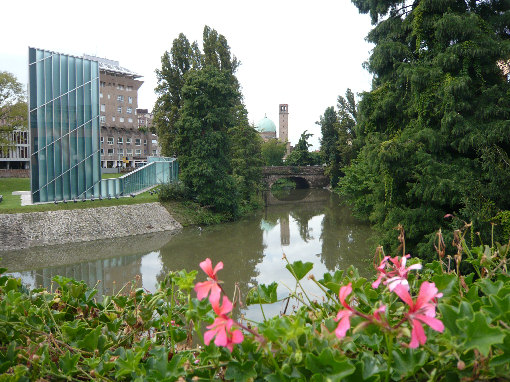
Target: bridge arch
{"x": 312, "y": 175}
{"x": 300, "y": 181}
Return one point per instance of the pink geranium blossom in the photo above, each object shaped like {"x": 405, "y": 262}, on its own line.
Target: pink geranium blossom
{"x": 211, "y": 285}
{"x": 344, "y": 315}
{"x": 221, "y": 328}
{"x": 421, "y": 312}
{"x": 397, "y": 275}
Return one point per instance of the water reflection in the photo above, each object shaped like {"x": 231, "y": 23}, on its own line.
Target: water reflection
{"x": 314, "y": 227}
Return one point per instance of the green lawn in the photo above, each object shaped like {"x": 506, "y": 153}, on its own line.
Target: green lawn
{"x": 12, "y": 203}
{"x": 107, "y": 176}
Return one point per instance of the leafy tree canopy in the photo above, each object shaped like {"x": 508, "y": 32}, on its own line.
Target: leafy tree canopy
{"x": 433, "y": 132}
{"x": 13, "y": 106}
{"x": 273, "y": 152}
{"x": 300, "y": 156}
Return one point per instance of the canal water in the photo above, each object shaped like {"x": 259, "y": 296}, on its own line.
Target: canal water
{"x": 307, "y": 225}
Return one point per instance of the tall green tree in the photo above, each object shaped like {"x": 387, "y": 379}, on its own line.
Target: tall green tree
{"x": 202, "y": 139}
{"x": 13, "y": 106}
{"x": 246, "y": 156}
{"x": 300, "y": 156}
{"x": 273, "y": 152}
{"x": 183, "y": 57}
{"x": 330, "y": 143}
{"x": 434, "y": 131}
{"x": 201, "y": 118}
{"x": 347, "y": 115}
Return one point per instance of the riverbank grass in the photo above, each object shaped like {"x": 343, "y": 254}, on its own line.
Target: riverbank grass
{"x": 11, "y": 204}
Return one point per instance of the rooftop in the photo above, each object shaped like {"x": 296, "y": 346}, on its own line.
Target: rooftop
{"x": 113, "y": 67}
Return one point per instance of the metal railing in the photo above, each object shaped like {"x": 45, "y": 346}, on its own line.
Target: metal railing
{"x": 158, "y": 170}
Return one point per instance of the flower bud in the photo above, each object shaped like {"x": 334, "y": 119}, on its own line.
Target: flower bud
{"x": 461, "y": 365}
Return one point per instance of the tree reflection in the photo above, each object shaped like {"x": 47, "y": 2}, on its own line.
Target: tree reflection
{"x": 345, "y": 241}
{"x": 239, "y": 245}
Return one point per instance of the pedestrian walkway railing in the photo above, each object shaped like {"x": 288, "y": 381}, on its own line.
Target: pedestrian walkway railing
{"x": 158, "y": 170}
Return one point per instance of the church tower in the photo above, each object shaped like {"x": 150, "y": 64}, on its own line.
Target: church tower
{"x": 283, "y": 127}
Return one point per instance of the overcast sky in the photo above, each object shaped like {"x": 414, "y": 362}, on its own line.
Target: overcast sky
{"x": 301, "y": 53}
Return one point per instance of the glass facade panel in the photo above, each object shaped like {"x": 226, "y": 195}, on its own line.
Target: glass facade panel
{"x": 64, "y": 125}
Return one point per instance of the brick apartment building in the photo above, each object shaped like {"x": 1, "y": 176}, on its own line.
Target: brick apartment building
{"x": 123, "y": 143}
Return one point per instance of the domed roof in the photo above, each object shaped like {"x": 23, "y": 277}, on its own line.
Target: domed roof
{"x": 265, "y": 125}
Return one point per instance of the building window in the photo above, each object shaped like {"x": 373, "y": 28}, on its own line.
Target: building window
{"x": 128, "y": 141}
{"x": 129, "y": 110}
{"x": 154, "y": 152}
{"x": 102, "y": 139}
{"x": 121, "y": 119}
{"x": 108, "y": 96}
{"x": 113, "y": 119}
{"x": 129, "y": 88}
{"x": 130, "y": 99}
{"x": 138, "y": 152}
{"x": 120, "y": 98}
{"x": 138, "y": 142}
{"x": 120, "y": 87}
{"x": 102, "y": 119}
{"x": 110, "y": 140}
{"x": 129, "y": 151}
{"x": 103, "y": 107}
{"x": 119, "y": 109}
{"x": 121, "y": 151}
{"x": 120, "y": 140}
{"x": 102, "y": 151}
{"x": 110, "y": 152}
{"x": 145, "y": 142}
{"x": 130, "y": 120}
{"x": 102, "y": 84}
{"x": 100, "y": 95}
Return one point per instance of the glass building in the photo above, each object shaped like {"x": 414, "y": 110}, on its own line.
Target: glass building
{"x": 64, "y": 126}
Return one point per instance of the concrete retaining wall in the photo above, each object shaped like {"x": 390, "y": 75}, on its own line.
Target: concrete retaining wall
{"x": 18, "y": 231}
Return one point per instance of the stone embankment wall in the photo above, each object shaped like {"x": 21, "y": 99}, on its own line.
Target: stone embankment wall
{"x": 18, "y": 231}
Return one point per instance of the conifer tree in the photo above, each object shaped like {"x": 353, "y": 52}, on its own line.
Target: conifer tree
{"x": 434, "y": 131}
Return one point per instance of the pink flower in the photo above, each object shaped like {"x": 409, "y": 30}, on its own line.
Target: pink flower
{"x": 378, "y": 312}
{"x": 421, "y": 312}
{"x": 211, "y": 285}
{"x": 344, "y": 315}
{"x": 221, "y": 328}
{"x": 397, "y": 275}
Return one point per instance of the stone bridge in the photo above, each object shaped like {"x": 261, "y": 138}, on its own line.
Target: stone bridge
{"x": 304, "y": 176}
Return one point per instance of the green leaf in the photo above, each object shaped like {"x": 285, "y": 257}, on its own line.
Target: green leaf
{"x": 89, "y": 342}
{"x": 499, "y": 308}
{"x": 447, "y": 284}
{"x": 68, "y": 363}
{"x": 479, "y": 335}
{"x": 503, "y": 359}
{"x": 262, "y": 294}
{"x": 159, "y": 369}
{"x": 409, "y": 361}
{"x": 242, "y": 372}
{"x": 489, "y": 287}
{"x": 334, "y": 282}
{"x": 300, "y": 269}
{"x": 371, "y": 366}
{"x": 185, "y": 280}
{"x": 331, "y": 366}
{"x": 450, "y": 315}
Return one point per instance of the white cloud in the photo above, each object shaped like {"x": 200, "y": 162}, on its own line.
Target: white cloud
{"x": 292, "y": 52}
